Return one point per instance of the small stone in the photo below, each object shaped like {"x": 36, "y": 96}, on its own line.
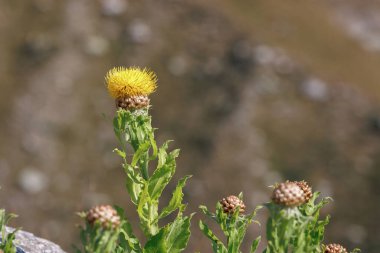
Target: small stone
{"x": 264, "y": 54}
{"x": 315, "y": 89}
{"x": 32, "y": 180}
{"x": 139, "y": 32}
{"x": 178, "y": 65}
{"x": 114, "y": 7}
{"x": 96, "y": 45}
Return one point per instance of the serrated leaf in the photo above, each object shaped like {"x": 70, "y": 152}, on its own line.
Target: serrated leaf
{"x": 159, "y": 180}
{"x": 172, "y": 238}
{"x": 221, "y": 218}
{"x": 209, "y": 214}
{"x": 154, "y": 146}
{"x": 141, "y": 151}
{"x": 176, "y": 200}
{"x": 127, "y": 238}
{"x": 255, "y": 244}
{"x": 162, "y": 175}
{"x": 217, "y": 244}
{"x": 133, "y": 183}
{"x": 162, "y": 154}
{"x": 143, "y": 201}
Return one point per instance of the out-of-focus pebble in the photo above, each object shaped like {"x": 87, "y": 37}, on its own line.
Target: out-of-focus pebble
{"x": 114, "y": 7}
{"x": 177, "y": 65}
{"x": 139, "y": 32}
{"x": 315, "y": 89}
{"x": 96, "y": 45}
{"x": 264, "y": 54}
{"x": 32, "y": 180}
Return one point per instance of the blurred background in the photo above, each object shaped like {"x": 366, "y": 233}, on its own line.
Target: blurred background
{"x": 253, "y": 92}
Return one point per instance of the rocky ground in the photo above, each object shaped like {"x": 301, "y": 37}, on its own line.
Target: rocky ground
{"x": 246, "y": 109}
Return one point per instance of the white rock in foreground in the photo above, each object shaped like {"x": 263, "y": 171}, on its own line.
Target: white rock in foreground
{"x": 32, "y": 244}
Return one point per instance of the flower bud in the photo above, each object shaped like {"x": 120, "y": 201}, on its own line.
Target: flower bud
{"x": 132, "y": 103}
{"x": 105, "y": 215}
{"x": 288, "y": 194}
{"x": 307, "y": 190}
{"x": 334, "y": 248}
{"x": 231, "y": 203}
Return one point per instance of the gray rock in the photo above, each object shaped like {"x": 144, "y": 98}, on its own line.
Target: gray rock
{"x": 32, "y": 244}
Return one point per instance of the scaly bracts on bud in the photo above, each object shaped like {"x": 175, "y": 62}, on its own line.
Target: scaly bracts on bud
{"x": 132, "y": 103}
{"x": 231, "y": 203}
{"x": 288, "y": 194}
{"x": 105, "y": 215}
{"x": 334, "y": 248}
{"x": 307, "y": 190}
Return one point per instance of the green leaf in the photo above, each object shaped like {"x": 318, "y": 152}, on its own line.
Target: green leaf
{"x": 176, "y": 200}
{"x": 162, "y": 175}
{"x": 127, "y": 239}
{"x": 172, "y": 238}
{"x": 144, "y": 200}
{"x": 217, "y": 245}
{"x": 141, "y": 151}
{"x": 134, "y": 183}
{"x": 255, "y": 244}
{"x": 120, "y": 153}
{"x": 209, "y": 214}
{"x": 154, "y": 146}
{"x": 222, "y": 219}
{"x": 162, "y": 154}
{"x": 147, "y": 211}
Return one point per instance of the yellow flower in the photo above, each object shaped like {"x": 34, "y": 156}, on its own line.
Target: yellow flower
{"x": 127, "y": 82}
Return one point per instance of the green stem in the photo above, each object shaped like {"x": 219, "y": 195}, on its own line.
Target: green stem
{"x": 144, "y": 164}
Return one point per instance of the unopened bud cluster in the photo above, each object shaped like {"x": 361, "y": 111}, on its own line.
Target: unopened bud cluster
{"x": 133, "y": 103}
{"x": 308, "y": 193}
{"x": 291, "y": 194}
{"x": 231, "y": 203}
{"x": 335, "y": 248}
{"x": 105, "y": 215}
{"x": 288, "y": 194}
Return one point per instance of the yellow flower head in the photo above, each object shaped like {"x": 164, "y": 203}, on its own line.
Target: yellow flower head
{"x": 127, "y": 82}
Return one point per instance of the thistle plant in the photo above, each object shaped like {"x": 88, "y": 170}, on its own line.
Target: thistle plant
{"x": 294, "y": 224}
{"x": 230, "y": 216}
{"x": 148, "y": 170}
{"x": 7, "y": 239}
{"x": 101, "y": 231}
